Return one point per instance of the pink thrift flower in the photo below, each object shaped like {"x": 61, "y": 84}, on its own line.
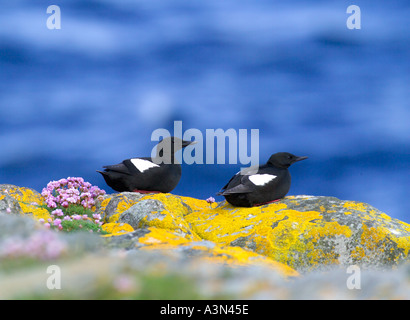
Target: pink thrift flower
{"x": 210, "y": 200}
{"x": 72, "y": 190}
{"x": 124, "y": 284}
{"x": 51, "y": 203}
{"x": 57, "y": 212}
{"x": 85, "y": 194}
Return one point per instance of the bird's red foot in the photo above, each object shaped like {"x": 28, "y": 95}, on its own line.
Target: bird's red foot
{"x": 261, "y": 204}
{"x": 145, "y": 191}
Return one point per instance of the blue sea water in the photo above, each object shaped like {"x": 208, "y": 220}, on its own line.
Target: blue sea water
{"x": 92, "y": 93}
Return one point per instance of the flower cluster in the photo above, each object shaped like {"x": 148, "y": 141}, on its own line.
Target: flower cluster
{"x": 71, "y": 191}
{"x": 210, "y": 200}
{"x": 57, "y": 222}
{"x": 70, "y": 202}
{"x": 43, "y": 244}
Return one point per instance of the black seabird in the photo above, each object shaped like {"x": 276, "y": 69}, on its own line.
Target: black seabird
{"x": 146, "y": 174}
{"x": 260, "y": 185}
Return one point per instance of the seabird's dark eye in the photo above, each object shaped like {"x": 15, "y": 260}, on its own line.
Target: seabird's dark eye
{"x": 289, "y": 157}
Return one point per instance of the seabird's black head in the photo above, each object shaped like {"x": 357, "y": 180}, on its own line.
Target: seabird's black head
{"x": 284, "y": 159}
{"x": 173, "y": 144}
{"x": 167, "y": 147}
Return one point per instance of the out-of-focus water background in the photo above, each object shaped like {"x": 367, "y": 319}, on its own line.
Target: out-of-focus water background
{"x": 91, "y": 93}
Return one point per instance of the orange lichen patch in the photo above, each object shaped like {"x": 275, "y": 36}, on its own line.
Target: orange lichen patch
{"x": 379, "y": 240}
{"x": 371, "y": 238}
{"x": 226, "y": 224}
{"x": 120, "y": 204}
{"x": 195, "y": 204}
{"x": 337, "y": 232}
{"x": 104, "y": 203}
{"x": 385, "y": 216}
{"x": 358, "y": 253}
{"x": 236, "y": 257}
{"x": 300, "y": 235}
{"x": 30, "y": 201}
{"x": 116, "y": 229}
{"x": 172, "y": 218}
{"x": 273, "y": 231}
{"x": 125, "y": 205}
{"x": 358, "y": 206}
{"x": 329, "y": 229}
{"x": 114, "y": 218}
{"x": 160, "y": 239}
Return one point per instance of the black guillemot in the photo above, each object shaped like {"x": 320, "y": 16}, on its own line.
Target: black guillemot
{"x": 147, "y": 174}
{"x": 264, "y": 184}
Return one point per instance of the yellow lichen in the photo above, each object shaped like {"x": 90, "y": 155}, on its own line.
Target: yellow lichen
{"x": 160, "y": 239}
{"x": 272, "y": 229}
{"x": 236, "y": 256}
{"x": 116, "y": 229}
{"x": 358, "y": 253}
{"x": 195, "y": 204}
{"x": 358, "y": 206}
{"x": 330, "y": 229}
{"x": 125, "y": 205}
{"x": 30, "y": 202}
{"x": 104, "y": 204}
{"x": 295, "y": 238}
{"x": 371, "y": 238}
{"x": 172, "y": 218}
{"x": 114, "y": 218}
{"x": 385, "y": 216}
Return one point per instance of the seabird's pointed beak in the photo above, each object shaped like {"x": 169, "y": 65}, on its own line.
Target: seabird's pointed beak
{"x": 186, "y": 143}
{"x": 300, "y": 159}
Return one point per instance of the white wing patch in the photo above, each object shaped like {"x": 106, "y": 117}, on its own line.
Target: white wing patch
{"x": 261, "y": 179}
{"x": 142, "y": 164}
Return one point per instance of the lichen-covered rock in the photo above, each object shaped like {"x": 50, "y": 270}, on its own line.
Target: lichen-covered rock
{"x": 20, "y": 200}
{"x": 159, "y": 221}
{"x": 206, "y": 250}
{"x": 309, "y": 233}
{"x": 303, "y": 232}
{"x": 157, "y": 239}
{"x": 146, "y": 222}
{"x": 113, "y": 205}
{"x": 115, "y": 229}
